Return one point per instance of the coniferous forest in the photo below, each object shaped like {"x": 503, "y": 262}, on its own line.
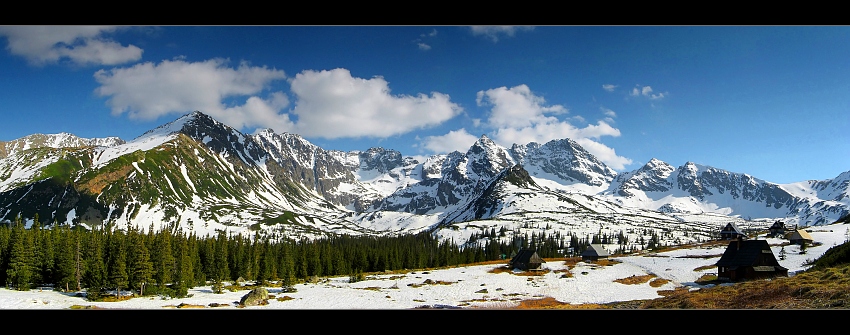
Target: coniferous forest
{"x": 169, "y": 261}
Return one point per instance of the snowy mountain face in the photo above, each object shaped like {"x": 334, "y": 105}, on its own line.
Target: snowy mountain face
{"x": 201, "y": 175}
{"x": 564, "y": 161}
{"x": 61, "y": 140}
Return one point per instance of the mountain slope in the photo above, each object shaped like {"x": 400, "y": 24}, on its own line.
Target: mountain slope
{"x": 199, "y": 174}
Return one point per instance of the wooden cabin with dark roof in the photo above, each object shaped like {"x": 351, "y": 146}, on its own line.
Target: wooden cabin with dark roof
{"x": 777, "y": 229}
{"x": 594, "y": 252}
{"x": 732, "y": 232}
{"x": 526, "y": 260}
{"x": 745, "y": 260}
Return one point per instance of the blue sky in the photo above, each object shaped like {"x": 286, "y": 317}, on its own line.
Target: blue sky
{"x": 769, "y": 101}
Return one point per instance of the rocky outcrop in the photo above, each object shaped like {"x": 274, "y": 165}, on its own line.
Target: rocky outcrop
{"x": 257, "y": 297}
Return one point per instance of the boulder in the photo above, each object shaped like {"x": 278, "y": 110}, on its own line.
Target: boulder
{"x": 258, "y": 296}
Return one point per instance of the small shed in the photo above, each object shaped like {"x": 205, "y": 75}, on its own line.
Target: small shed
{"x": 751, "y": 259}
{"x": 732, "y": 232}
{"x": 594, "y": 252}
{"x": 777, "y": 229}
{"x": 800, "y": 236}
{"x": 526, "y": 259}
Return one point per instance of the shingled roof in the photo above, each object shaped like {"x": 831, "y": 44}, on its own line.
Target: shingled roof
{"x": 800, "y": 234}
{"x": 526, "y": 259}
{"x": 744, "y": 253}
{"x": 595, "y": 250}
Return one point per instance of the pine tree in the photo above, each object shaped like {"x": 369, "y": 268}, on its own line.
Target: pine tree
{"x": 140, "y": 265}
{"x": 163, "y": 259}
{"x": 63, "y": 264}
{"x": 287, "y": 267}
{"x": 221, "y": 267}
{"x": 20, "y": 270}
{"x": 5, "y": 237}
{"x": 184, "y": 276}
{"x": 118, "y": 277}
{"x": 95, "y": 272}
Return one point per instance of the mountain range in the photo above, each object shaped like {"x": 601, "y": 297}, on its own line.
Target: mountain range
{"x": 198, "y": 174}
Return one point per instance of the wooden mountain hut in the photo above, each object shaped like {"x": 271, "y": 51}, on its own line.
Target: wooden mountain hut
{"x": 744, "y": 260}
{"x": 526, "y": 260}
{"x": 777, "y": 229}
{"x": 800, "y": 236}
{"x": 732, "y": 232}
{"x": 593, "y": 253}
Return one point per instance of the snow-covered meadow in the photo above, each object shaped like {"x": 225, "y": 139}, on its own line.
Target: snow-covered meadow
{"x": 464, "y": 287}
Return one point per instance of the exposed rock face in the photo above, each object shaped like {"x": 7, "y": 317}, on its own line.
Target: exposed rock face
{"x": 257, "y": 297}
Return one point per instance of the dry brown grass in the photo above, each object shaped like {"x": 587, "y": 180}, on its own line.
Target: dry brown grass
{"x": 658, "y": 282}
{"x": 285, "y": 298}
{"x": 634, "y": 280}
{"x": 113, "y": 298}
{"x": 500, "y": 269}
{"x": 705, "y": 267}
{"x": 551, "y": 303}
{"x": 84, "y": 307}
{"x": 829, "y": 288}
{"x": 185, "y": 305}
{"x": 607, "y": 262}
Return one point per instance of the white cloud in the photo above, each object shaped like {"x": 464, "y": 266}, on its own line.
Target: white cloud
{"x": 431, "y": 34}
{"x": 516, "y": 107}
{"x": 81, "y": 45}
{"x": 608, "y": 112}
{"x": 423, "y": 46}
{"x": 146, "y": 91}
{"x": 493, "y": 32}
{"x": 333, "y": 104}
{"x": 609, "y": 87}
{"x": 647, "y": 92}
{"x": 604, "y": 153}
{"x": 455, "y": 140}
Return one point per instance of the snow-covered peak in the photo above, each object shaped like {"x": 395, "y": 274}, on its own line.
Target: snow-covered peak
{"x": 60, "y": 140}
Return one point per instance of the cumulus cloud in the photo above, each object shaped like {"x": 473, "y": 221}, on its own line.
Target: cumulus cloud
{"x": 609, "y": 87}
{"x": 146, "y": 91}
{"x": 517, "y": 115}
{"x": 455, "y": 140}
{"x": 423, "y": 46}
{"x": 80, "y": 45}
{"x": 494, "y": 32}
{"x": 647, "y": 92}
{"x": 516, "y": 107}
{"x": 333, "y": 104}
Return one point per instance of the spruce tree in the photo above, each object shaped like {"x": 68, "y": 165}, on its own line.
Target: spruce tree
{"x": 5, "y": 237}
{"x": 287, "y": 267}
{"x": 64, "y": 270}
{"x": 163, "y": 259}
{"x": 221, "y": 268}
{"x": 118, "y": 277}
{"x": 20, "y": 269}
{"x": 184, "y": 276}
{"x": 95, "y": 273}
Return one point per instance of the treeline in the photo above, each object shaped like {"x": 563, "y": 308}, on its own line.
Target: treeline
{"x": 170, "y": 261}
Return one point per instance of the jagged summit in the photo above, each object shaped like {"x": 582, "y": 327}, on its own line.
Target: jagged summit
{"x": 59, "y": 140}
{"x": 196, "y": 171}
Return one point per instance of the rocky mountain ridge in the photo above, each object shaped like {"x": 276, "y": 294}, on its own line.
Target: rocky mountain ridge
{"x": 197, "y": 171}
